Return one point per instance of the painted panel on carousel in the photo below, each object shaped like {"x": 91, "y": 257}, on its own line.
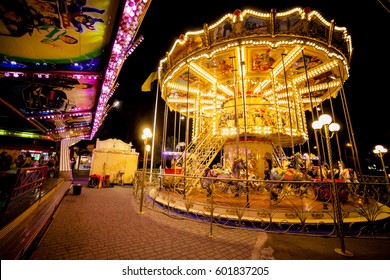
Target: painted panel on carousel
{"x": 230, "y": 27}
{"x": 283, "y": 25}
{"x": 261, "y": 60}
{"x": 188, "y": 77}
{"x": 254, "y": 25}
{"x": 185, "y": 45}
{"x": 299, "y": 65}
{"x": 220, "y": 66}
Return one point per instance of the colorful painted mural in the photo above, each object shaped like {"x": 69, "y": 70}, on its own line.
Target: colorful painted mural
{"x": 54, "y": 35}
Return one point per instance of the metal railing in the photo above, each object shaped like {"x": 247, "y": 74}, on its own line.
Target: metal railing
{"x": 297, "y": 207}
{"x": 18, "y": 187}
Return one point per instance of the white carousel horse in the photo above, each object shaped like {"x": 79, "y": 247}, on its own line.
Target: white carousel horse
{"x": 345, "y": 175}
{"x": 348, "y": 174}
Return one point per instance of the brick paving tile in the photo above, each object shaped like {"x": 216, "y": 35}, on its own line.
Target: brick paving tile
{"x": 105, "y": 224}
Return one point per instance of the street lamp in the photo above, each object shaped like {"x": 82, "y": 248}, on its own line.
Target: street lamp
{"x": 380, "y": 150}
{"x": 325, "y": 122}
{"x": 147, "y": 134}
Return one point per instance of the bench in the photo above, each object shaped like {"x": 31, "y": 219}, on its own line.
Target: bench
{"x": 19, "y": 235}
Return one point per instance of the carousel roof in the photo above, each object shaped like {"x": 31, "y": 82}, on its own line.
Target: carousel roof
{"x": 263, "y": 54}
{"x": 60, "y": 61}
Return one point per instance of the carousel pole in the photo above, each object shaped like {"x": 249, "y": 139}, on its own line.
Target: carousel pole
{"x": 312, "y": 113}
{"x": 187, "y": 129}
{"x": 302, "y": 127}
{"x": 154, "y": 133}
{"x": 295, "y": 106}
{"x": 337, "y": 136}
{"x": 277, "y": 114}
{"x": 235, "y": 106}
{"x": 321, "y": 139}
{"x": 164, "y": 138}
{"x": 174, "y": 131}
{"x": 179, "y": 129}
{"x": 288, "y": 105}
{"x": 349, "y": 125}
{"x": 353, "y": 144}
{"x": 242, "y": 64}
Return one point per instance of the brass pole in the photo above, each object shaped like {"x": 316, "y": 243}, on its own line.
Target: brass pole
{"x": 235, "y": 106}
{"x": 334, "y": 119}
{"x": 143, "y": 178}
{"x": 242, "y": 64}
{"x": 288, "y": 105}
{"x": 312, "y": 114}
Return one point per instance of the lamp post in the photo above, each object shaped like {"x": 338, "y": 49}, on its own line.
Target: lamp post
{"x": 145, "y": 136}
{"x": 380, "y": 150}
{"x": 325, "y": 122}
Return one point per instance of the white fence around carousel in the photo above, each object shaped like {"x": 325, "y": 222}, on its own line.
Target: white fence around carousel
{"x": 297, "y": 207}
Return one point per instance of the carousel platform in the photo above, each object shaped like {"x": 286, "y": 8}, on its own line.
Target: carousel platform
{"x": 260, "y": 208}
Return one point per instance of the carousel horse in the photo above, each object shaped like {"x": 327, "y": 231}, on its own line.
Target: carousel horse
{"x": 360, "y": 192}
{"x": 284, "y": 188}
{"x": 294, "y": 170}
{"x": 214, "y": 175}
{"x": 297, "y": 162}
{"x": 342, "y": 176}
{"x": 238, "y": 172}
{"x": 348, "y": 174}
{"x": 207, "y": 181}
{"x": 227, "y": 179}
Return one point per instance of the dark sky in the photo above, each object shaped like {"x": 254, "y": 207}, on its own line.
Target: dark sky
{"x": 366, "y": 89}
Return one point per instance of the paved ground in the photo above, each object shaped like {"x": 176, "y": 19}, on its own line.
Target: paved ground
{"x": 105, "y": 224}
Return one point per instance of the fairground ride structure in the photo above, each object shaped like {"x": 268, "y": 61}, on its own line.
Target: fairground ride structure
{"x": 249, "y": 82}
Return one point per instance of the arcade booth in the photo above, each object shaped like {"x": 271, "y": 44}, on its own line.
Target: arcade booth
{"x": 114, "y": 162}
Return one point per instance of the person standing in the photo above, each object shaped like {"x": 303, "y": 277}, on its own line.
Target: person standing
{"x": 19, "y": 161}
{"x": 3, "y": 161}
{"x": 72, "y": 163}
{"x": 28, "y": 161}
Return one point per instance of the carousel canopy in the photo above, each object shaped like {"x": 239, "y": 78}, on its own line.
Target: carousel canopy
{"x": 263, "y": 54}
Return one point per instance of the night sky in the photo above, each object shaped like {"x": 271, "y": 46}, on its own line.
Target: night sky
{"x": 366, "y": 89}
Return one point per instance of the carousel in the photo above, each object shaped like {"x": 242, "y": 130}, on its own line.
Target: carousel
{"x": 248, "y": 83}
